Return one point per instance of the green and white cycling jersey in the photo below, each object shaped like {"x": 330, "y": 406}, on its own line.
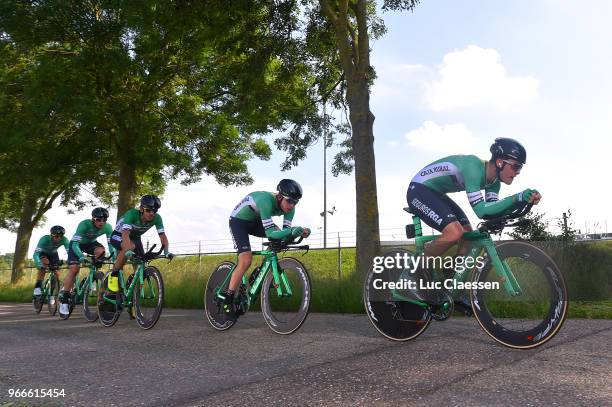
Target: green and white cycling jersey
{"x": 46, "y": 245}
{"x": 87, "y": 233}
{"x": 467, "y": 173}
{"x": 131, "y": 221}
{"x": 261, "y": 206}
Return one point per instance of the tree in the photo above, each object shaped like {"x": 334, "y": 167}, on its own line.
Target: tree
{"x": 536, "y": 229}
{"x": 338, "y": 37}
{"x": 175, "y": 89}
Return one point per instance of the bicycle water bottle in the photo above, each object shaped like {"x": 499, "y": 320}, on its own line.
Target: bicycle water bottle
{"x": 113, "y": 283}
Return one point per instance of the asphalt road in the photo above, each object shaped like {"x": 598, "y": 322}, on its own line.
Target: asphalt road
{"x": 332, "y": 360}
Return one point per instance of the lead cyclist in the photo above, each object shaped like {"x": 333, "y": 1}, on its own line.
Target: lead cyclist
{"x": 427, "y": 191}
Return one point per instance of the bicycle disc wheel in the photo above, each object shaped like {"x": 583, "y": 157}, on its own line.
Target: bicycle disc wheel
{"x": 38, "y": 301}
{"x": 149, "y": 298}
{"x": 213, "y": 306}
{"x": 535, "y": 315}
{"x": 108, "y": 312}
{"x": 285, "y": 314}
{"x": 395, "y": 319}
{"x": 90, "y": 298}
{"x": 53, "y": 295}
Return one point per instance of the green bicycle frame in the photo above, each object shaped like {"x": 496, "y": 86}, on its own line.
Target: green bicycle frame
{"x": 270, "y": 261}
{"x": 128, "y": 292}
{"x": 481, "y": 241}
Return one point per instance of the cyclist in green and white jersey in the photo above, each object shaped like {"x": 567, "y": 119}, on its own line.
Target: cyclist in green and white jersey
{"x": 253, "y": 216}
{"x": 427, "y": 191}
{"x": 46, "y": 255}
{"x": 85, "y": 240}
{"x": 131, "y": 226}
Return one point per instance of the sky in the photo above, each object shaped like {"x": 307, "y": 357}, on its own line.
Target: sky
{"x": 452, "y": 76}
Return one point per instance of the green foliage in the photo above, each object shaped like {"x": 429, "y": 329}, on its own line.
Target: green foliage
{"x": 535, "y": 229}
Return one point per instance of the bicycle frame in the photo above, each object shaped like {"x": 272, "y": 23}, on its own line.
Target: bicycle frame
{"x": 128, "y": 292}
{"x": 269, "y": 262}
{"x": 481, "y": 241}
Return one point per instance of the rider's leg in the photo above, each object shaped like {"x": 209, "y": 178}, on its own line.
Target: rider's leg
{"x": 40, "y": 276}
{"x": 73, "y": 271}
{"x": 244, "y": 262}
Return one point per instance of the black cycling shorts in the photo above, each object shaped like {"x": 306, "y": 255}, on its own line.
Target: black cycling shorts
{"x": 241, "y": 229}
{"x": 88, "y": 248}
{"x": 116, "y": 240}
{"x": 435, "y": 209}
{"x": 53, "y": 258}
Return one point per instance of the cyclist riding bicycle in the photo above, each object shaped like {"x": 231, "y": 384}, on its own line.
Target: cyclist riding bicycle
{"x": 253, "y": 216}
{"x": 85, "y": 241}
{"x": 129, "y": 229}
{"x": 46, "y": 255}
{"x": 427, "y": 191}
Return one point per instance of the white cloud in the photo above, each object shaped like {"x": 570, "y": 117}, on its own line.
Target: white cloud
{"x": 475, "y": 76}
{"x": 448, "y": 138}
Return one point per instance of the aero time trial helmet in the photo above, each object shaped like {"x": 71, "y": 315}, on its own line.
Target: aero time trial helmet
{"x": 99, "y": 213}
{"x": 290, "y": 189}
{"x": 508, "y": 148}
{"x": 150, "y": 202}
{"x": 58, "y": 230}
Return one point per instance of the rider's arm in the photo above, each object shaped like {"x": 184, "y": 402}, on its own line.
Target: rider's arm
{"x": 288, "y": 217}
{"x": 66, "y": 243}
{"x": 76, "y": 249}
{"x": 36, "y": 257}
{"x": 489, "y": 205}
{"x": 108, "y": 231}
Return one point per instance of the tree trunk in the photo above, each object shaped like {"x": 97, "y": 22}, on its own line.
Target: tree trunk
{"x": 127, "y": 187}
{"x": 362, "y": 121}
{"x": 24, "y": 233}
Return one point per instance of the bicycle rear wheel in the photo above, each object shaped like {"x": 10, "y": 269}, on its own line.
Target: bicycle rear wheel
{"x": 90, "y": 298}
{"x": 213, "y": 305}
{"x": 284, "y": 314}
{"x": 53, "y": 295}
{"x": 393, "y": 317}
{"x": 109, "y": 308}
{"x": 534, "y": 316}
{"x": 149, "y": 298}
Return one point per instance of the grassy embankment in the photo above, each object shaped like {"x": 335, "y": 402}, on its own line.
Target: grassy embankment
{"x": 587, "y": 269}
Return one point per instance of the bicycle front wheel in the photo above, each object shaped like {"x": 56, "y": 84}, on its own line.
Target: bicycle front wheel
{"x": 286, "y": 312}
{"x": 90, "y": 298}
{"x": 109, "y": 304}
{"x": 149, "y": 298}
{"x": 53, "y": 295}
{"x": 213, "y": 304}
{"x": 393, "y": 316}
{"x": 536, "y": 314}
{"x": 39, "y": 300}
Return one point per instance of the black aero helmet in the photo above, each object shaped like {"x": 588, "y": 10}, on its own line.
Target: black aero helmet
{"x": 99, "y": 213}
{"x": 289, "y": 189}
{"x": 508, "y": 148}
{"x": 150, "y": 202}
{"x": 58, "y": 230}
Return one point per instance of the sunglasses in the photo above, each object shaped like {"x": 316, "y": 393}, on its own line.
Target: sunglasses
{"x": 149, "y": 210}
{"x": 515, "y": 166}
{"x": 292, "y": 201}
{"x": 99, "y": 219}
{"x": 57, "y": 235}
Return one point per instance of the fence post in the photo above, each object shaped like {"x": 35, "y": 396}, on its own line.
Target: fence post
{"x": 339, "y": 273}
{"x": 199, "y": 256}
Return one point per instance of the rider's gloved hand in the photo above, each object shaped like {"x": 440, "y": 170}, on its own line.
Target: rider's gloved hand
{"x": 82, "y": 259}
{"x": 169, "y": 256}
{"x": 306, "y": 233}
{"x": 526, "y": 195}
{"x": 296, "y": 231}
